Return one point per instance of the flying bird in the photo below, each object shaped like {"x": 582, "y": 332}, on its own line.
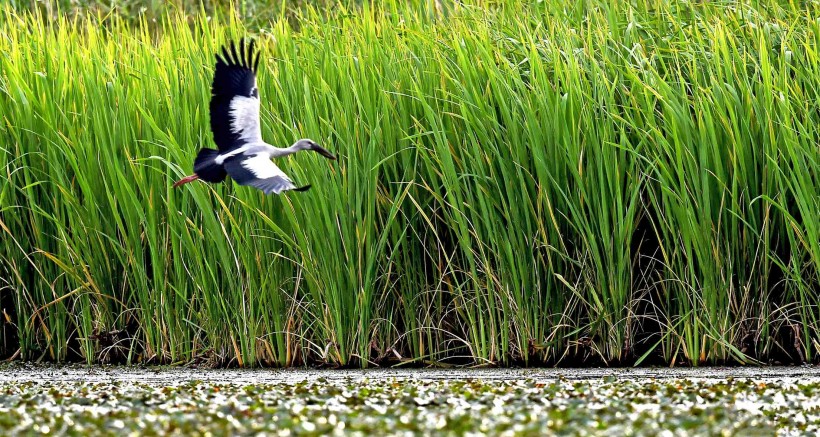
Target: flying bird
{"x": 242, "y": 153}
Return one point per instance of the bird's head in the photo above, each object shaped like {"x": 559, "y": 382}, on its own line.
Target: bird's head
{"x": 307, "y": 144}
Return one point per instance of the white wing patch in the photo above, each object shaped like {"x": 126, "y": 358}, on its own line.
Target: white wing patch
{"x": 263, "y": 168}
{"x": 245, "y": 118}
{"x": 257, "y": 170}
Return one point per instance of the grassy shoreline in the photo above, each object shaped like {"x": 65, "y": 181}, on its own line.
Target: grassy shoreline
{"x": 526, "y": 184}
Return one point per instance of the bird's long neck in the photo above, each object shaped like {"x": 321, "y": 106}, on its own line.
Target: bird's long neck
{"x": 279, "y": 152}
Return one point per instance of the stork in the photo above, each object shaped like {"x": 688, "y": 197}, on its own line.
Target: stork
{"x": 242, "y": 153}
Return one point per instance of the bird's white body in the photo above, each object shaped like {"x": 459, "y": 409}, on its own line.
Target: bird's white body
{"x": 259, "y": 160}
{"x": 261, "y": 148}
{"x": 245, "y": 123}
{"x": 248, "y": 149}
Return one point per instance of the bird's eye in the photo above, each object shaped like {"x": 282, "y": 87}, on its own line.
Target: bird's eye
{"x": 254, "y": 92}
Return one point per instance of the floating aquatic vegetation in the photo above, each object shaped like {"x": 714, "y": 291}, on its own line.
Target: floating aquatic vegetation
{"x": 607, "y": 406}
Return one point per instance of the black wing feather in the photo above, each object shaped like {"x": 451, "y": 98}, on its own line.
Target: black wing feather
{"x": 234, "y": 75}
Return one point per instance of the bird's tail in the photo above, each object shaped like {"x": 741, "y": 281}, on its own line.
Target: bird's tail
{"x": 206, "y": 168}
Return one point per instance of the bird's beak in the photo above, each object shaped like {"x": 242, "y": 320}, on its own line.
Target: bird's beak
{"x": 324, "y": 152}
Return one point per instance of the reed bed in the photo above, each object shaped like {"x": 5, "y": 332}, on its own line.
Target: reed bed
{"x": 519, "y": 183}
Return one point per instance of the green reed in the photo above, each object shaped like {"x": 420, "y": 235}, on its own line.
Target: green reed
{"x": 517, "y": 183}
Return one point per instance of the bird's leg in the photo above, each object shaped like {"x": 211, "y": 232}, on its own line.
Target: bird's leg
{"x": 186, "y": 179}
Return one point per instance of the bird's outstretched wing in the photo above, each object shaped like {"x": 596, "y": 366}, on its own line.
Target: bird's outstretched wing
{"x": 235, "y": 98}
{"x": 260, "y": 172}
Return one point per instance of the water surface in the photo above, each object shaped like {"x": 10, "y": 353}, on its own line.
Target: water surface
{"x": 79, "y": 400}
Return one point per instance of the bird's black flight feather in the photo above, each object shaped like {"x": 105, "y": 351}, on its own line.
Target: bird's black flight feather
{"x": 235, "y": 75}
